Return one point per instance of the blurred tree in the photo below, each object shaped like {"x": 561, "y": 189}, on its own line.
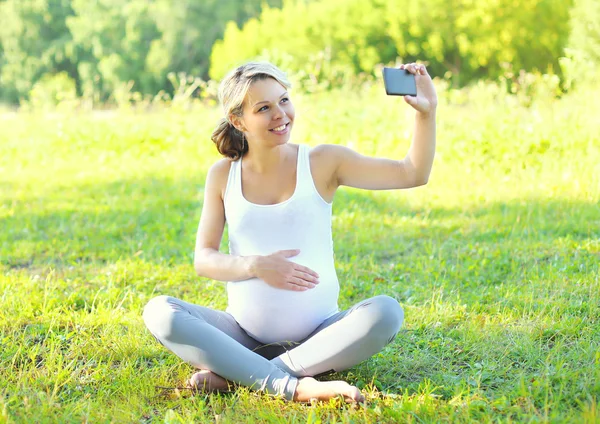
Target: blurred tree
{"x": 142, "y": 42}
{"x": 35, "y": 41}
{"x": 584, "y": 40}
{"x": 325, "y": 39}
{"x": 466, "y": 38}
{"x": 108, "y": 45}
{"x": 118, "y": 45}
{"x": 115, "y": 38}
{"x": 189, "y": 29}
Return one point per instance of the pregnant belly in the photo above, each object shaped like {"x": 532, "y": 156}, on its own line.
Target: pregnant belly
{"x": 273, "y": 315}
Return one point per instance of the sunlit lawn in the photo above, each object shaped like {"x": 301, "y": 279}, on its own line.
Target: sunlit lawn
{"x": 496, "y": 262}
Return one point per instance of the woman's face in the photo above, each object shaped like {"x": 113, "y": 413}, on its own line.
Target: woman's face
{"x": 268, "y": 113}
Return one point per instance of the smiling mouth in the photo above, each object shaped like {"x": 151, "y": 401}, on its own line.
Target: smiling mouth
{"x": 280, "y": 128}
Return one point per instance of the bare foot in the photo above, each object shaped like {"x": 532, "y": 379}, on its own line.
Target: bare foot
{"x": 207, "y": 381}
{"x": 308, "y": 389}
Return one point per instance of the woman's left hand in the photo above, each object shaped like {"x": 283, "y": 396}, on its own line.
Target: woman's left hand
{"x": 426, "y": 99}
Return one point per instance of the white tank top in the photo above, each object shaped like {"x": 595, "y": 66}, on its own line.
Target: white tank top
{"x": 302, "y": 222}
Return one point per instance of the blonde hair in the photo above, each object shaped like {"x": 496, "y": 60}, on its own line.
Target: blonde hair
{"x": 232, "y": 92}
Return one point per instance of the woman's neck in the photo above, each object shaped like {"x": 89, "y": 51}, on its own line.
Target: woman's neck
{"x": 266, "y": 160}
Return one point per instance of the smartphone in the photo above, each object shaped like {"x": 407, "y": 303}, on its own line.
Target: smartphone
{"x": 399, "y": 82}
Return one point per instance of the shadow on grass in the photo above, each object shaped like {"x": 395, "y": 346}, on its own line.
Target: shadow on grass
{"x": 156, "y": 219}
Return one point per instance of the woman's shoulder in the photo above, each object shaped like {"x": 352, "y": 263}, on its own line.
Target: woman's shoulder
{"x": 218, "y": 175}
{"x": 325, "y": 149}
{"x": 325, "y": 154}
{"x": 221, "y": 166}
{"x": 220, "y": 169}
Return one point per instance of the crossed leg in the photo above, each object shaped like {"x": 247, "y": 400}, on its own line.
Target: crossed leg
{"x": 345, "y": 339}
{"x": 213, "y": 340}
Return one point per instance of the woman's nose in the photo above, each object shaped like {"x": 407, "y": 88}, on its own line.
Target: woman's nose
{"x": 279, "y": 113}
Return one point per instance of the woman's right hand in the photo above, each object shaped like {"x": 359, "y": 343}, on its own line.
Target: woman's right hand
{"x": 277, "y": 271}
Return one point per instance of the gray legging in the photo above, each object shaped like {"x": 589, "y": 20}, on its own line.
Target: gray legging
{"x": 213, "y": 340}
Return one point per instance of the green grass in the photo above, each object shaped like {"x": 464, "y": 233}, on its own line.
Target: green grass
{"x": 496, "y": 262}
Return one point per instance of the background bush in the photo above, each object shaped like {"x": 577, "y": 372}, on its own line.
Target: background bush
{"x": 110, "y": 46}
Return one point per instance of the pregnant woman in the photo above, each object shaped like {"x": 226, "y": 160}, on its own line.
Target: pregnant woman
{"x": 282, "y": 325}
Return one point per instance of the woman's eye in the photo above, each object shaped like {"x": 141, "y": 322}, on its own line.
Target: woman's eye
{"x": 262, "y": 108}
{"x": 285, "y": 99}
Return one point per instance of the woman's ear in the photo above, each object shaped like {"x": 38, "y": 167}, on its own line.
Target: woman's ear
{"x": 237, "y": 122}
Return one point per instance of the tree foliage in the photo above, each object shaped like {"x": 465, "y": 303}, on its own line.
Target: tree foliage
{"x": 584, "y": 40}
{"x": 109, "y": 45}
{"x": 466, "y": 38}
{"x": 103, "y": 47}
{"x": 34, "y": 40}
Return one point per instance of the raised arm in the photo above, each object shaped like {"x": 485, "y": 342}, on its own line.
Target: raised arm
{"x": 355, "y": 170}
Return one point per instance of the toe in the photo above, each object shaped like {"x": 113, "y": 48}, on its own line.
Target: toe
{"x": 198, "y": 380}
{"x": 356, "y": 395}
